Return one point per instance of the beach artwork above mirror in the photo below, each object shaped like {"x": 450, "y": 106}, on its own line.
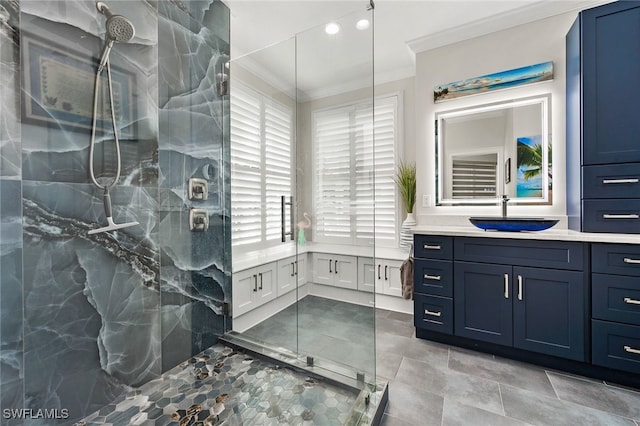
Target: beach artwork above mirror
{"x": 486, "y": 151}
{"x": 500, "y": 80}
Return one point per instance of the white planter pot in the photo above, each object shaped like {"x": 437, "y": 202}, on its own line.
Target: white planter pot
{"x": 406, "y": 237}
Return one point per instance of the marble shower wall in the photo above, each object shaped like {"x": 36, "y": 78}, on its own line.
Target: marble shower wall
{"x": 107, "y": 312}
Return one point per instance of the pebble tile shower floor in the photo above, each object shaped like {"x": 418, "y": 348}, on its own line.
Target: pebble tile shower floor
{"x": 223, "y": 387}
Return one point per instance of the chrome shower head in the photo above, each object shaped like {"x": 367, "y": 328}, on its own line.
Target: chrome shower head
{"x": 119, "y": 30}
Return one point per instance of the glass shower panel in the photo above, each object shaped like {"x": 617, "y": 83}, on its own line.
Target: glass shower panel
{"x": 263, "y": 122}
{"x": 335, "y": 175}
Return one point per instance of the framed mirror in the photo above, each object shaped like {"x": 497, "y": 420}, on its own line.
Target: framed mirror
{"x": 483, "y": 152}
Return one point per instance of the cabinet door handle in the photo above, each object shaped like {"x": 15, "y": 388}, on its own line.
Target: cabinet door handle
{"x": 631, "y": 261}
{"x": 432, "y": 277}
{"x": 435, "y": 314}
{"x": 330, "y": 271}
{"x": 631, "y": 350}
{"x": 379, "y": 272}
{"x": 386, "y": 276}
{"x": 295, "y": 267}
{"x": 255, "y": 282}
{"x": 519, "y": 287}
{"x": 293, "y": 270}
{"x": 621, "y": 216}
{"x": 431, "y": 247}
{"x": 610, "y": 181}
{"x": 260, "y": 274}
{"x": 631, "y": 301}
{"x": 335, "y": 266}
{"x": 506, "y": 286}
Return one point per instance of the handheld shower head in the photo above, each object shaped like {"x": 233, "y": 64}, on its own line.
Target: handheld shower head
{"x": 119, "y": 30}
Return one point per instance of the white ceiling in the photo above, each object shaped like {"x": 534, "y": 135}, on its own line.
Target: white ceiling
{"x": 327, "y": 65}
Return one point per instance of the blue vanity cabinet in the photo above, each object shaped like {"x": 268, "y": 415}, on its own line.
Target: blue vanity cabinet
{"x": 603, "y": 86}
{"x": 530, "y": 295}
{"x": 616, "y": 306}
{"x": 483, "y": 308}
{"x": 433, "y": 283}
{"x": 611, "y": 83}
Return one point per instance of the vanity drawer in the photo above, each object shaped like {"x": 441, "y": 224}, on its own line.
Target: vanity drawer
{"x": 541, "y": 254}
{"x": 434, "y": 277}
{"x": 611, "y": 181}
{"x": 433, "y": 313}
{"x": 612, "y": 215}
{"x": 616, "y": 298}
{"x": 620, "y": 259}
{"x": 616, "y": 346}
{"x": 433, "y": 247}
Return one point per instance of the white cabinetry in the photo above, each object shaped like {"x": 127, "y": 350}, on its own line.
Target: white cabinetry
{"x": 383, "y": 275}
{"x": 336, "y": 270}
{"x": 291, "y": 271}
{"x": 366, "y": 274}
{"x": 253, "y": 287}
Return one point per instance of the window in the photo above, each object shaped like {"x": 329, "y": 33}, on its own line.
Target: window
{"x": 261, "y": 168}
{"x": 344, "y": 179}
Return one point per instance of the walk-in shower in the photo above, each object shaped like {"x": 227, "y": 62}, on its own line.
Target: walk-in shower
{"x": 118, "y": 30}
{"x": 127, "y": 327}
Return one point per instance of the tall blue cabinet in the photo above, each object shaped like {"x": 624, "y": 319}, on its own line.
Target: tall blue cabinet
{"x": 603, "y": 123}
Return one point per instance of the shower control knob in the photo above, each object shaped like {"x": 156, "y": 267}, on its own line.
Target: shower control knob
{"x": 198, "y": 220}
{"x": 197, "y": 190}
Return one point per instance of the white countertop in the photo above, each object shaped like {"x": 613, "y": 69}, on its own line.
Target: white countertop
{"x": 549, "y": 234}
{"x": 249, "y": 259}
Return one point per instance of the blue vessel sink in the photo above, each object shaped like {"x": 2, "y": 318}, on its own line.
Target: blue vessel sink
{"x": 512, "y": 224}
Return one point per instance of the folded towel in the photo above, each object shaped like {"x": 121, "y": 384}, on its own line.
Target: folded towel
{"x": 406, "y": 277}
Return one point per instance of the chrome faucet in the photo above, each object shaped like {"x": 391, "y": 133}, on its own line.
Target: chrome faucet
{"x": 505, "y": 200}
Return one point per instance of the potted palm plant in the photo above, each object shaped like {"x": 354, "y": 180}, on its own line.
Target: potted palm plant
{"x": 406, "y": 180}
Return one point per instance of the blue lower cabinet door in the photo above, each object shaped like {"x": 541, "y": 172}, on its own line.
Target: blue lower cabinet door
{"x": 482, "y": 302}
{"x": 549, "y": 312}
{"x": 616, "y": 346}
{"x": 433, "y": 313}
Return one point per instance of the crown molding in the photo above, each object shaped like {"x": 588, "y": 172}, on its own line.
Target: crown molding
{"x": 526, "y": 14}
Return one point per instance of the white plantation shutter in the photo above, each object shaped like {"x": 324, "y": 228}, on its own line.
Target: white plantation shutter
{"x": 364, "y": 167}
{"x": 277, "y": 165}
{"x": 387, "y": 198}
{"x": 246, "y": 173}
{"x": 261, "y": 139}
{"x": 332, "y": 178}
{"x": 344, "y": 173}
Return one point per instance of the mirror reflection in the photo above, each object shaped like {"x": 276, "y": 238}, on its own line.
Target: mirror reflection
{"x": 488, "y": 151}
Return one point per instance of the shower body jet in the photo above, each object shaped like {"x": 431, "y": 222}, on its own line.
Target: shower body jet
{"x": 118, "y": 30}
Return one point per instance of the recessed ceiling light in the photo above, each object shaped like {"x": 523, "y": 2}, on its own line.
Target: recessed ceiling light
{"x": 363, "y": 24}
{"x": 332, "y": 28}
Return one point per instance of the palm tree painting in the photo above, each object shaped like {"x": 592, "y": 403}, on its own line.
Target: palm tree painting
{"x": 529, "y": 163}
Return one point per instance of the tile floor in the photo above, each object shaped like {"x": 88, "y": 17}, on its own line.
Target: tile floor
{"x": 436, "y": 384}
{"x": 454, "y": 386}
{"x": 429, "y": 383}
{"x": 223, "y": 387}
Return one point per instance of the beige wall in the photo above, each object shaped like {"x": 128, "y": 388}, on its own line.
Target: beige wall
{"x": 528, "y": 44}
